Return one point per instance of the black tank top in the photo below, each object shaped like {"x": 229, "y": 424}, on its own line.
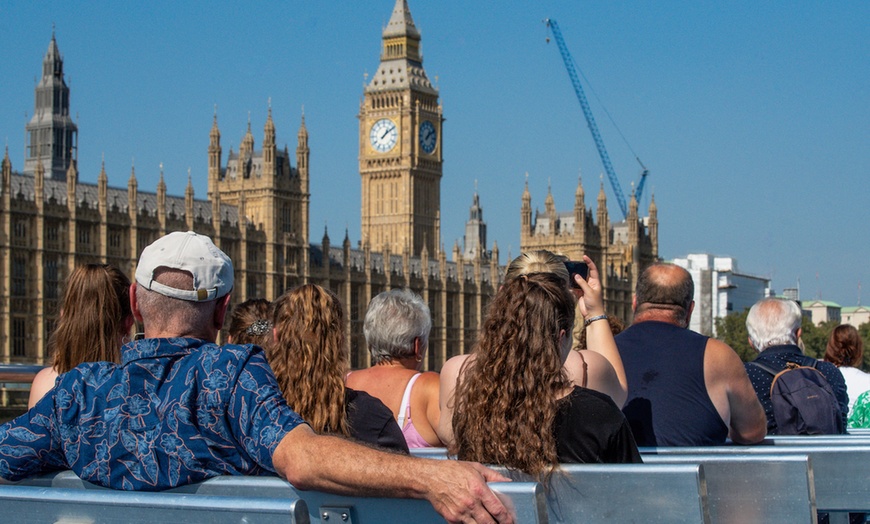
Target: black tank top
{"x": 667, "y": 403}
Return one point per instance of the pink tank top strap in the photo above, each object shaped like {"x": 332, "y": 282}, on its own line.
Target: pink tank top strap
{"x": 412, "y": 436}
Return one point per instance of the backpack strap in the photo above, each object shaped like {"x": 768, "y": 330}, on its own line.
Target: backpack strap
{"x": 765, "y": 367}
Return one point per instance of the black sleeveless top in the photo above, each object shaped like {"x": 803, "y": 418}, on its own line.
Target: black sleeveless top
{"x": 667, "y": 403}
{"x": 590, "y": 429}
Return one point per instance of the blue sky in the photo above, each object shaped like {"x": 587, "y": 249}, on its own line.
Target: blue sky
{"x": 752, "y": 117}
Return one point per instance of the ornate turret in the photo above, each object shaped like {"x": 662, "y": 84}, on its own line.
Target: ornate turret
{"x": 550, "y": 209}
{"x": 39, "y": 187}
{"x": 72, "y": 180}
{"x": 526, "y": 210}
{"x": 475, "y": 230}
{"x": 580, "y": 210}
{"x": 324, "y": 246}
{"x": 603, "y": 221}
{"x": 132, "y": 194}
{"x": 52, "y": 136}
{"x": 269, "y": 147}
{"x": 246, "y": 153}
{"x": 103, "y": 187}
{"x": 632, "y": 219}
{"x": 302, "y": 154}
{"x": 161, "y": 201}
{"x": 188, "y": 202}
{"x": 7, "y": 172}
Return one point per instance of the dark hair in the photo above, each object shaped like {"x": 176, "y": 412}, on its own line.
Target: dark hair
{"x": 506, "y": 396}
{"x": 665, "y": 287}
{"x": 845, "y": 347}
{"x": 310, "y": 358}
{"x": 96, "y": 303}
{"x": 251, "y": 323}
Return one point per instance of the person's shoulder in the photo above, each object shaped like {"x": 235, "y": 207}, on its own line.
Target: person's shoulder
{"x": 593, "y": 396}
{"x": 366, "y": 404}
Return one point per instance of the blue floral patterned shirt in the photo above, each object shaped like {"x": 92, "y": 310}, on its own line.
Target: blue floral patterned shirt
{"x": 175, "y": 411}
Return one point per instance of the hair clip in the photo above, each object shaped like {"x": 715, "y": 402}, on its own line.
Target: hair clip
{"x": 259, "y": 328}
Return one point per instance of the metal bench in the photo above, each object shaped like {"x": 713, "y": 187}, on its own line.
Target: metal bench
{"x": 525, "y": 498}
{"x": 619, "y": 492}
{"x": 40, "y": 504}
{"x": 754, "y": 488}
{"x": 839, "y": 472}
{"x": 626, "y": 493}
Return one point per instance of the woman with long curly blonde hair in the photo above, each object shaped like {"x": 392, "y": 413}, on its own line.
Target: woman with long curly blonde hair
{"x": 514, "y": 403}
{"x": 596, "y": 364}
{"x": 310, "y": 359}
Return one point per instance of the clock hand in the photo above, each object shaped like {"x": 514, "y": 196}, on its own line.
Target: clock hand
{"x": 387, "y": 132}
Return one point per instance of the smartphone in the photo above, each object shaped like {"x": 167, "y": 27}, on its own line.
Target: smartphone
{"x": 576, "y": 268}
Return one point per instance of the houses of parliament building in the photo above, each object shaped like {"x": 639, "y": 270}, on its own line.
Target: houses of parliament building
{"x": 257, "y": 211}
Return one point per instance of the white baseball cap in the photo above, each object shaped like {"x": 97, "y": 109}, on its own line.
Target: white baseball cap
{"x": 211, "y": 268}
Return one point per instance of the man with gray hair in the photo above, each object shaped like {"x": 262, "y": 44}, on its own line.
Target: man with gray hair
{"x": 180, "y": 409}
{"x": 774, "y": 327}
{"x": 397, "y": 328}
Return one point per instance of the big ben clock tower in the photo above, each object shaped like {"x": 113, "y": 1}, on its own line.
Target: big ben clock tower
{"x": 400, "y": 159}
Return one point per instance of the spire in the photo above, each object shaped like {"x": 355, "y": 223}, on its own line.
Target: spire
{"x": 270, "y": 125}
{"x": 580, "y": 194}
{"x": 602, "y": 198}
{"x": 103, "y": 181}
{"x": 653, "y": 209}
{"x": 7, "y": 171}
{"x": 51, "y": 121}
{"x": 527, "y": 197}
{"x": 189, "y": 189}
{"x": 401, "y": 59}
{"x": 215, "y": 134}
{"x": 401, "y": 23}
{"x": 549, "y": 203}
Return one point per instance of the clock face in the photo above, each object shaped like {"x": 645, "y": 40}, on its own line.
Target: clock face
{"x": 428, "y": 136}
{"x": 384, "y": 135}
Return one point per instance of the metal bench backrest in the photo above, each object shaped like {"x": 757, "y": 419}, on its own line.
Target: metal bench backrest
{"x": 839, "y": 472}
{"x": 526, "y": 498}
{"x": 39, "y": 504}
{"x": 626, "y": 493}
{"x": 754, "y": 488}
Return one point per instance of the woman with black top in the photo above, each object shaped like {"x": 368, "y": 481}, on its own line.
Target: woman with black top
{"x": 513, "y": 403}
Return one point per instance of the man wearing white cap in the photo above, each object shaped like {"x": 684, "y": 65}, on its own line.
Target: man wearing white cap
{"x": 180, "y": 409}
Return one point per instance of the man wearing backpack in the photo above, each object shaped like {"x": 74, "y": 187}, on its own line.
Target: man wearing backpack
{"x": 811, "y": 397}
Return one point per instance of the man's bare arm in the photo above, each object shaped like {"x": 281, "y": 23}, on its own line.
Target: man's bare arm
{"x": 457, "y": 490}
{"x": 724, "y": 370}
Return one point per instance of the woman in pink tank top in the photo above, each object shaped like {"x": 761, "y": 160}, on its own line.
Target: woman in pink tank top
{"x": 397, "y": 328}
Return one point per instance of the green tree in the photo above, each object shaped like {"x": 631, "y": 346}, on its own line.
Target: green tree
{"x": 732, "y": 330}
{"x": 864, "y": 331}
{"x": 815, "y": 338}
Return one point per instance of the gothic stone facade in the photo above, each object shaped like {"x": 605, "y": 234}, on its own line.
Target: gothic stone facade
{"x": 621, "y": 250}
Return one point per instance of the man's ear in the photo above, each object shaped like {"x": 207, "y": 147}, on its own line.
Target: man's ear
{"x": 220, "y": 311}
{"x": 134, "y": 304}
{"x": 689, "y": 313}
{"x": 634, "y": 303}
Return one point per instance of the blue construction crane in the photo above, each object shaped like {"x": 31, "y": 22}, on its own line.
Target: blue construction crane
{"x": 590, "y": 121}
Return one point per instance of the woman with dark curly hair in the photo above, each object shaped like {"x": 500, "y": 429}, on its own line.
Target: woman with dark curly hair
{"x": 514, "y": 403}
{"x": 310, "y": 359}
